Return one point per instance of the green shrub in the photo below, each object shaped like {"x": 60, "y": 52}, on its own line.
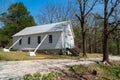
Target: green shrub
{"x": 118, "y": 74}
{"x": 50, "y": 76}
{"x": 44, "y": 77}
{"x": 27, "y": 77}
{"x": 10, "y": 78}
{"x": 81, "y": 72}
{"x": 70, "y": 68}
{"x": 104, "y": 78}
{"x": 37, "y": 75}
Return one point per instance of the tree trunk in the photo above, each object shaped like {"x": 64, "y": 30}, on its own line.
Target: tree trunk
{"x": 0, "y": 43}
{"x": 118, "y": 46}
{"x": 105, "y": 33}
{"x": 83, "y": 42}
{"x": 105, "y": 47}
{"x": 89, "y": 47}
{"x": 83, "y": 38}
{"x": 95, "y": 42}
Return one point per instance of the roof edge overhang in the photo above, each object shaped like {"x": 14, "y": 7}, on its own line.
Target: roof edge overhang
{"x": 37, "y": 33}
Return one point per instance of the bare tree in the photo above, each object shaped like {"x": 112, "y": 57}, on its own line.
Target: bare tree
{"x": 84, "y": 11}
{"x": 46, "y": 14}
{"x": 116, "y": 17}
{"x": 107, "y": 14}
{"x": 56, "y": 12}
{"x": 97, "y": 33}
{"x": 116, "y": 37}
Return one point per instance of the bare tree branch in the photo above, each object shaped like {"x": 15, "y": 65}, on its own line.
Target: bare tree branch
{"x": 91, "y": 8}
{"x": 113, "y": 28}
{"x": 84, "y": 5}
{"x": 78, "y": 17}
{"x": 82, "y": 18}
{"x": 54, "y": 13}
{"x": 113, "y": 8}
{"x": 80, "y": 3}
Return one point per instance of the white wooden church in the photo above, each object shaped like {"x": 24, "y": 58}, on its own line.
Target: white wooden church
{"x": 55, "y": 36}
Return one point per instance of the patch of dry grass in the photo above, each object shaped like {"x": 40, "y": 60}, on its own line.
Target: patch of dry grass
{"x": 19, "y": 55}
{"x": 97, "y": 70}
{"x": 94, "y": 55}
{"x": 91, "y": 55}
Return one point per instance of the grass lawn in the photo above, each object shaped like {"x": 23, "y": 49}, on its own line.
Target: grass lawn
{"x": 97, "y": 71}
{"x": 94, "y": 71}
{"x": 19, "y": 55}
{"x": 16, "y": 55}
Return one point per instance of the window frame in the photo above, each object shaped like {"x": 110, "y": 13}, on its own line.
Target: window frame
{"x": 20, "y": 42}
{"x": 29, "y": 40}
{"x": 39, "y": 39}
{"x": 50, "y": 39}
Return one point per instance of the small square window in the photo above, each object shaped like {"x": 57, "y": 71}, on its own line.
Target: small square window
{"x": 50, "y": 38}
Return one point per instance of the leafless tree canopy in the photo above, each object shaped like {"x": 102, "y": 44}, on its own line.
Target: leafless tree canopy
{"x": 85, "y": 7}
{"x": 56, "y": 12}
{"x": 109, "y": 8}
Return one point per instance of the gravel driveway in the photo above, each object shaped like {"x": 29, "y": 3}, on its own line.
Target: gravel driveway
{"x": 16, "y": 69}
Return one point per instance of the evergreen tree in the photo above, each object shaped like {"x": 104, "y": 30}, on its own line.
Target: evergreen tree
{"x": 16, "y": 19}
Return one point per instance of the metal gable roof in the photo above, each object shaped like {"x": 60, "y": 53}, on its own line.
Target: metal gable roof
{"x": 54, "y": 27}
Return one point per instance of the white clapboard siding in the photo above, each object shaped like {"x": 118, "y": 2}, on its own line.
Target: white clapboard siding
{"x": 62, "y": 36}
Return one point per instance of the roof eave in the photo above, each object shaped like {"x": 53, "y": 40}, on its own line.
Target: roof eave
{"x": 38, "y": 33}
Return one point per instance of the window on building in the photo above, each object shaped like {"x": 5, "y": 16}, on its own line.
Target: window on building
{"x": 29, "y": 40}
{"x": 50, "y": 38}
{"x": 20, "y": 41}
{"x": 39, "y": 39}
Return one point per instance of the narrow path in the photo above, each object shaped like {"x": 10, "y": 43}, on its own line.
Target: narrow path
{"x": 14, "y": 69}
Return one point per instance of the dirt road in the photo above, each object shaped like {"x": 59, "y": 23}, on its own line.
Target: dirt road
{"x": 16, "y": 69}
